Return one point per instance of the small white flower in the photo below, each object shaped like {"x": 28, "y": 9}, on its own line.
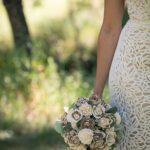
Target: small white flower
{"x": 66, "y": 109}
{"x": 118, "y": 118}
{"x": 110, "y": 138}
{"x": 86, "y": 136}
{"x": 74, "y": 115}
{"x": 86, "y": 109}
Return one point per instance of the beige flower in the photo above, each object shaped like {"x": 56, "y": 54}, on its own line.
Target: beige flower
{"x": 64, "y": 120}
{"x": 112, "y": 129}
{"x": 81, "y": 101}
{"x": 86, "y": 109}
{"x": 79, "y": 147}
{"x": 86, "y": 136}
{"x": 71, "y": 138}
{"x": 104, "y": 122}
{"x": 118, "y": 118}
{"x": 74, "y": 125}
{"x": 98, "y": 140}
{"x": 87, "y": 123}
{"x": 107, "y": 106}
{"x": 98, "y": 110}
{"x": 110, "y": 138}
{"x": 97, "y": 145}
{"x": 106, "y": 148}
{"x": 74, "y": 115}
{"x": 98, "y": 135}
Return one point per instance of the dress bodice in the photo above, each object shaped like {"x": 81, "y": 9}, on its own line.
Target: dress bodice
{"x": 139, "y": 9}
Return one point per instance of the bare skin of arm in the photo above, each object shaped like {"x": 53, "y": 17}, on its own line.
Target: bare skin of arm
{"x": 107, "y": 42}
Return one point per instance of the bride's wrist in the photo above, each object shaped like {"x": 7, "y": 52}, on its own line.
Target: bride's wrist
{"x": 96, "y": 96}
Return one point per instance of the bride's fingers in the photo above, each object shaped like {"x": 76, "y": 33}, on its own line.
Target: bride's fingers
{"x": 94, "y": 97}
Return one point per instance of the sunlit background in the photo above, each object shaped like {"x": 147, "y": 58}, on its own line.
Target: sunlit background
{"x": 35, "y": 86}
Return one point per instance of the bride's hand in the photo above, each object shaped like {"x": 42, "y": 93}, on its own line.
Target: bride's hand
{"x": 95, "y": 97}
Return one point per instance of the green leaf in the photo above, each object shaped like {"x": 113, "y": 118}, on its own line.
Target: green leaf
{"x": 68, "y": 126}
{"x": 78, "y": 124}
{"x": 58, "y": 127}
{"x": 112, "y": 110}
{"x": 90, "y": 102}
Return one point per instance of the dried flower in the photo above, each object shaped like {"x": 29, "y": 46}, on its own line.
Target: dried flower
{"x": 98, "y": 140}
{"x": 87, "y": 123}
{"x": 90, "y": 124}
{"x": 98, "y": 110}
{"x": 110, "y": 138}
{"x": 79, "y": 147}
{"x": 64, "y": 120}
{"x": 71, "y": 138}
{"x": 104, "y": 122}
{"x": 86, "y": 136}
{"x": 74, "y": 115}
{"x": 86, "y": 109}
{"x": 81, "y": 101}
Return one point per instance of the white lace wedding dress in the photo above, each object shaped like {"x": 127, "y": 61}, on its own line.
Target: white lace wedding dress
{"x": 129, "y": 77}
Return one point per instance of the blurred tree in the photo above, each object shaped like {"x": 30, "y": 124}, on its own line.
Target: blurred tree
{"x": 18, "y": 23}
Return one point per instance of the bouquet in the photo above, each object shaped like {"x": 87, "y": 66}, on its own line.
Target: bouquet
{"x": 89, "y": 125}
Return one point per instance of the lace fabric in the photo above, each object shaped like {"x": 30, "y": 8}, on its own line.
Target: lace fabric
{"x": 129, "y": 77}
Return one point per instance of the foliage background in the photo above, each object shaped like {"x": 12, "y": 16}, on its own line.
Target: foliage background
{"x": 33, "y": 92}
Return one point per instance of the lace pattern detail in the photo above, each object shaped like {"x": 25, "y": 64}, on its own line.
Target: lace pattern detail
{"x": 138, "y": 9}
{"x": 129, "y": 77}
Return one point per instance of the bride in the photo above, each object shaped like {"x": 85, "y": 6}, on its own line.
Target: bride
{"x": 124, "y": 57}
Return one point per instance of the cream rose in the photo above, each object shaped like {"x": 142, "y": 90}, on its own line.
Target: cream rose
{"x": 118, "y": 118}
{"x": 106, "y": 148}
{"x": 86, "y": 109}
{"x": 74, "y": 115}
{"x": 79, "y": 147}
{"x": 86, "y": 136}
{"x": 110, "y": 138}
{"x": 104, "y": 122}
{"x": 98, "y": 110}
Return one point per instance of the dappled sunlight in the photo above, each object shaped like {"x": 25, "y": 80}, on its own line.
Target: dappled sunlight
{"x": 34, "y": 92}
{"x": 5, "y": 30}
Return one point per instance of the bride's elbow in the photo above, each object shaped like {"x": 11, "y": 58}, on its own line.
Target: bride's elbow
{"x": 111, "y": 29}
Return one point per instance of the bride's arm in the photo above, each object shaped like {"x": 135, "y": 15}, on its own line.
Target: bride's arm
{"x": 107, "y": 41}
